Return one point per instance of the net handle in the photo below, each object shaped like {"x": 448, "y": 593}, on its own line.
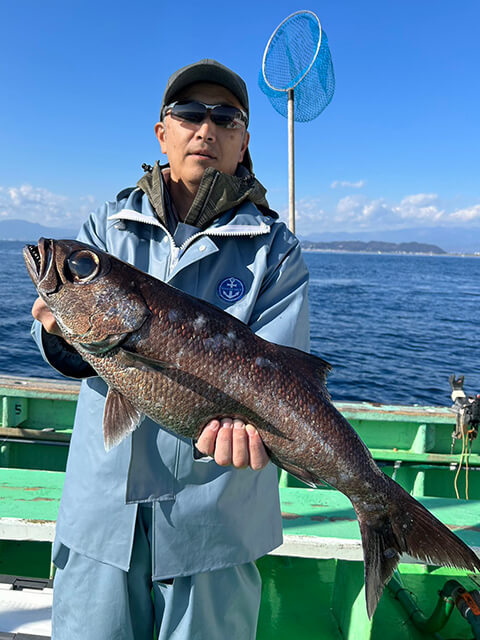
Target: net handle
{"x": 291, "y": 161}
{"x": 274, "y": 34}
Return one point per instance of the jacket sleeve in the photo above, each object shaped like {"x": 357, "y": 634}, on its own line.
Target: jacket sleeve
{"x": 59, "y": 354}
{"x": 281, "y": 311}
{"x": 54, "y": 349}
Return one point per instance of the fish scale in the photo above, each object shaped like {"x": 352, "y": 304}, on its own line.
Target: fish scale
{"x": 182, "y": 362}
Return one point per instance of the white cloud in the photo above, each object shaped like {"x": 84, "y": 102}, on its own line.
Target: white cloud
{"x": 345, "y": 183}
{"x": 467, "y": 215}
{"x": 421, "y": 207}
{"x": 308, "y": 213}
{"x": 37, "y": 204}
{"x": 360, "y": 213}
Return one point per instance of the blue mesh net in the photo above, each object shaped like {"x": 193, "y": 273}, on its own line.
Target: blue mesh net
{"x": 287, "y": 59}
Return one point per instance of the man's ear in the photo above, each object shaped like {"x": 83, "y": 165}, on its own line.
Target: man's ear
{"x": 161, "y": 133}
{"x": 246, "y": 140}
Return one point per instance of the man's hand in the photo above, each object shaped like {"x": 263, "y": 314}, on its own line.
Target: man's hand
{"x": 42, "y": 313}
{"x": 232, "y": 442}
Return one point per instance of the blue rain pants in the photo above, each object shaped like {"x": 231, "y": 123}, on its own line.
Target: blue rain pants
{"x": 96, "y": 601}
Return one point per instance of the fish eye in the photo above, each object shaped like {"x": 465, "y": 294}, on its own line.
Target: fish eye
{"x": 83, "y": 265}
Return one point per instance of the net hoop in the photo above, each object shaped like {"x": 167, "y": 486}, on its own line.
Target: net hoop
{"x": 313, "y": 58}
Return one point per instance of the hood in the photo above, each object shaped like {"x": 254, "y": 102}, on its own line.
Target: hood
{"x": 218, "y": 192}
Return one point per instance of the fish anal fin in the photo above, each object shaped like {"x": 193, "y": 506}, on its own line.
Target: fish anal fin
{"x": 120, "y": 418}
{"x": 300, "y": 474}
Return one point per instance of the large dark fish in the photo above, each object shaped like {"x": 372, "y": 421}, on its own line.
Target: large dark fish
{"x": 182, "y": 362}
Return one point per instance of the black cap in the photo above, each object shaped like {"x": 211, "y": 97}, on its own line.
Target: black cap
{"x": 205, "y": 70}
{"x": 211, "y": 71}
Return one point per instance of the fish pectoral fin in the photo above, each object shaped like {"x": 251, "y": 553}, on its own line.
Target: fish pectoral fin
{"x": 120, "y": 418}
{"x": 132, "y": 359}
{"x": 300, "y": 474}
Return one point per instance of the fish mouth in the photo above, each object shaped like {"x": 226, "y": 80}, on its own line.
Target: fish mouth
{"x": 38, "y": 259}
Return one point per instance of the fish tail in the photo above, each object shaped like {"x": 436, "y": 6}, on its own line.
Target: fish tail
{"x": 405, "y": 526}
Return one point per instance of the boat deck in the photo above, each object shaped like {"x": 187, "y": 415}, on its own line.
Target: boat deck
{"x": 317, "y": 523}
{"x": 313, "y": 583}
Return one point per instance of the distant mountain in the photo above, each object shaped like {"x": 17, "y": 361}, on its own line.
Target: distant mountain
{"x": 374, "y": 247}
{"x": 451, "y": 239}
{"x": 31, "y": 231}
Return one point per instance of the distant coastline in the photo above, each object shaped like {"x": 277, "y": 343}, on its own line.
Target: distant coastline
{"x": 378, "y": 247}
{"x": 375, "y": 246}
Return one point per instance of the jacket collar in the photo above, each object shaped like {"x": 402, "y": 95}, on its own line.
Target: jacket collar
{"x": 217, "y": 193}
{"x": 245, "y": 221}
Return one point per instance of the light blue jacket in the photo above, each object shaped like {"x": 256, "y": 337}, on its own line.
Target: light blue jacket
{"x": 205, "y": 516}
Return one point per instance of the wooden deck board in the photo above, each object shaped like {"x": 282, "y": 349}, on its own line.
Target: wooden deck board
{"x": 39, "y": 387}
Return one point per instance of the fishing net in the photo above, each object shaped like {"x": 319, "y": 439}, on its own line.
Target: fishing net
{"x": 297, "y": 57}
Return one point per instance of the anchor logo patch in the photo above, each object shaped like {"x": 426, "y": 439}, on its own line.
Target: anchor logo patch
{"x": 231, "y": 289}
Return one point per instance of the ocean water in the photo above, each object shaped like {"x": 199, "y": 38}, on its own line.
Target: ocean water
{"x": 393, "y": 327}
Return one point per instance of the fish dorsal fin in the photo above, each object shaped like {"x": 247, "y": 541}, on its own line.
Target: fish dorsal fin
{"x": 120, "y": 418}
{"x": 312, "y": 367}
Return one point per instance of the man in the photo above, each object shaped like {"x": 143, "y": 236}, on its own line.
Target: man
{"x": 157, "y": 512}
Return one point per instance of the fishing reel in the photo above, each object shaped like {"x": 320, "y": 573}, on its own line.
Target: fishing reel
{"x": 467, "y": 409}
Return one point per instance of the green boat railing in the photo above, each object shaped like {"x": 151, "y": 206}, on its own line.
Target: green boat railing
{"x": 313, "y": 583}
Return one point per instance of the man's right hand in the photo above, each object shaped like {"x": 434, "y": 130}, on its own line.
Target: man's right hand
{"x": 42, "y": 313}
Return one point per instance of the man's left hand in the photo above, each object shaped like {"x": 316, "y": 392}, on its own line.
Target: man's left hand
{"x": 232, "y": 442}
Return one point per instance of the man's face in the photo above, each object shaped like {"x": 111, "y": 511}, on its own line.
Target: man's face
{"x": 191, "y": 147}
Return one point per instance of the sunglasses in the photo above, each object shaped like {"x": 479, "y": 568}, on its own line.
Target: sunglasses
{"x": 223, "y": 115}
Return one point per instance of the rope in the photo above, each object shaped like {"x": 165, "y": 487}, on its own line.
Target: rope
{"x": 455, "y": 483}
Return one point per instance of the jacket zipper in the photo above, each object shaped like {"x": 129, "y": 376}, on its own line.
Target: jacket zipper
{"x": 241, "y": 231}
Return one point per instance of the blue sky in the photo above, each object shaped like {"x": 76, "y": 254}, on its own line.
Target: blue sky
{"x": 398, "y": 146}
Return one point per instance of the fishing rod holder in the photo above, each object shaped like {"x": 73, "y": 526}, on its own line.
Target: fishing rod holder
{"x": 467, "y": 409}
